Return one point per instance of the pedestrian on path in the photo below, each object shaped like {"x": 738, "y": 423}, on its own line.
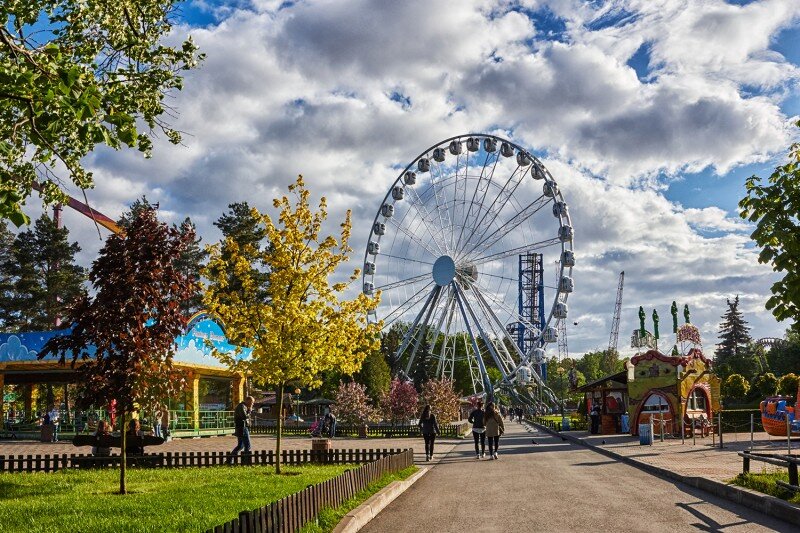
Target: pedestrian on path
{"x": 241, "y": 421}
{"x": 429, "y": 429}
{"x": 494, "y": 428}
{"x": 520, "y": 412}
{"x": 476, "y": 418}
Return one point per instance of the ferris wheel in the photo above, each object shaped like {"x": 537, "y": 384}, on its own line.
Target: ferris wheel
{"x": 445, "y": 250}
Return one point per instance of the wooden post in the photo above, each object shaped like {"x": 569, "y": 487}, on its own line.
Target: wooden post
{"x": 238, "y": 388}
{"x": 719, "y": 425}
{"x": 788, "y": 434}
{"x": 751, "y": 430}
{"x": 745, "y": 465}
{"x": 694, "y": 431}
{"x": 793, "y": 473}
{"x": 196, "y": 401}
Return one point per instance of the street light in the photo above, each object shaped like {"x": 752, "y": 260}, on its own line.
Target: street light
{"x": 560, "y": 371}
{"x": 297, "y": 405}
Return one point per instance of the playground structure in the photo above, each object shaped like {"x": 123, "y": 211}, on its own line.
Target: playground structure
{"x": 459, "y": 232}
{"x": 778, "y": 417}
{"x": 204, "y": 409}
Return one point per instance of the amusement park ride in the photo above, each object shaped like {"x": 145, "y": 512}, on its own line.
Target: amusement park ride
{"x": 456, "y": 249}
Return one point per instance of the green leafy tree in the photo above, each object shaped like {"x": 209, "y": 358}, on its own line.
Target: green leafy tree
{"x": 787, "y": 385}
{"x": 75, "y": 74}
{"x": 784, "y": 357}
{"x": 44, "y": 279}
{"x": 735, "y": 387}
{"x": 766, "y": 384}
{"x": 775, "y": 209}
{"x": 297, "y": 322}
{"x": 6, "y": 276}
{"x": 124, "y": 335}
{"x": 374, "y": 374}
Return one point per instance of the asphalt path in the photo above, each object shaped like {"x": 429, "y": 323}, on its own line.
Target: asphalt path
{"x": 556, "y": 486}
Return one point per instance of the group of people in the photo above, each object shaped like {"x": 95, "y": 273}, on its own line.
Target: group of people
{"x": 486, "y": 424}
{"x": 511, "y": 412}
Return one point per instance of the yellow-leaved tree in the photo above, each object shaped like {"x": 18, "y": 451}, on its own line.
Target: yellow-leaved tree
{"x": 296, "y": 321}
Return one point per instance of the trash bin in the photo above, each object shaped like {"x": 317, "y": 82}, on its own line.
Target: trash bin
{"x": 564, "y": 423}
{"x": 47, "y": 432}
{"x": 645, "y": 437}
{"x": 625, "y": 424}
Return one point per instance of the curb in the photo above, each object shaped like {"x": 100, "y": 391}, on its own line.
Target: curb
{"x": 769, "y": 505}
{"x": 361, "y": 515}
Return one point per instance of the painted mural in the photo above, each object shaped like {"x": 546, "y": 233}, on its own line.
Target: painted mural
{"x": 203, "y": 335}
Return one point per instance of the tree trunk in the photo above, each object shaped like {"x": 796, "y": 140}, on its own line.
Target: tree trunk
{"x": 123, "y": 453}
{"x": 280, "y": 430}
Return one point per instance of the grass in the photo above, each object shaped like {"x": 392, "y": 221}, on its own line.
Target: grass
{"x": 329, "y": 518}
{"x": 186, "y": 499}
{"x": 765, "y": 483}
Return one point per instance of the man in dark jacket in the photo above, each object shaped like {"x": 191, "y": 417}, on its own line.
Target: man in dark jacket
{"x": 241, "y": 421}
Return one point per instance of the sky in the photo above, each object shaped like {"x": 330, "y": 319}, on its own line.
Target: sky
{"x": 650, "y": 114}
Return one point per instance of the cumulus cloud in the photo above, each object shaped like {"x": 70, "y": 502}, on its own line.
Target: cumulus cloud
{"x": 348, "y": 92}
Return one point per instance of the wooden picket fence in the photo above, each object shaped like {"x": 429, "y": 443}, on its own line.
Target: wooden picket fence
{"x": 294, "y": 511}
{"x": 344, "y": 430}
{"x": 54, "y": 463}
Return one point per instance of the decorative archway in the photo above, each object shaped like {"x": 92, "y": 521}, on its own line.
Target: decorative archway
{"x": 657, "y": 406}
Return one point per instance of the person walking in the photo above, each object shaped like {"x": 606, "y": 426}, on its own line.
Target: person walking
{"x": 329, "y": 422}
{"x": 520, "y": 412}
{"x": 494, "y": 428}
{"x": 594, "y": 416}
{"x": 429, "y": 429}
{"x": 241, "y": 421}
{"x": 476, "y": 418}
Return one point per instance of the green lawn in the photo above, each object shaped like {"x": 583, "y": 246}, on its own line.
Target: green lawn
{"x": 766, "y": 483}
{"x": 186, "y": 499}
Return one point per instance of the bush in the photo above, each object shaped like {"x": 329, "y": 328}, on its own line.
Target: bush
{"x": 787, "y": 384}
{"x": 735, "y": 387}
{"x": 766, "y": 384}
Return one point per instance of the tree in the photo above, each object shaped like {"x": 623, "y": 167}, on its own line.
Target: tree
{"x": 44, "y": 279}
{"x": 732, "y": 354}
{"x": 352, "y": 404}
{"x": 400, "y": 403}
{"x": 296, "y": 321}
{"x": 192, "y": 258}
{"x": 390, "y": 343}
{"x": 374, "y": 374}
{"x": 787, "y": 385}
{"x": 784, "y": 357}
{"x": 775, "y": 208}
{"x": 6, "y": 276}
{"x": 766, "y": 384}
{"x": 735, "y": 387}
{"x": 74, "y": 74}
{"x": 440, "y": 394}
{"x": 124, "y": 335}
{"x": 420, "y": 373}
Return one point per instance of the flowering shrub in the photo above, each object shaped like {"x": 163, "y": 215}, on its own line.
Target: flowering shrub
{"x": 352, "y": 404}
{"x": 400, "y": 403}
{"x": 442, "y": 397}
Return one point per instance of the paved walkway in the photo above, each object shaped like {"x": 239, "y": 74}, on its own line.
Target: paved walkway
{"x": 700, "y": 457}
{"x": 555, "y": 485}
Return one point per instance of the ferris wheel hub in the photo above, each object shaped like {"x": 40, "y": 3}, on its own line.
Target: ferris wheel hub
{"x": 444, "y": 270}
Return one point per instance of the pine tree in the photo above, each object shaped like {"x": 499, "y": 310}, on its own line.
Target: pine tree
{"x": 192, "y": 258}
{"x": 374, "y": 374}
{"x": 390, "y": 343}
{"x": 734, "y": 339}
{"x": 6, "y": 277}
{"x": 421, "y": 373}
{"x": 44, "y": 279}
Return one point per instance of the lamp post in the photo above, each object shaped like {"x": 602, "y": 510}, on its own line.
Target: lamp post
{"x": 297, "y": 406}
{"x": 560, "y": 371}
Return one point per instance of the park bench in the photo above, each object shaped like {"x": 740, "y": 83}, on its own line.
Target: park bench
{"x": 111, "y": 441}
